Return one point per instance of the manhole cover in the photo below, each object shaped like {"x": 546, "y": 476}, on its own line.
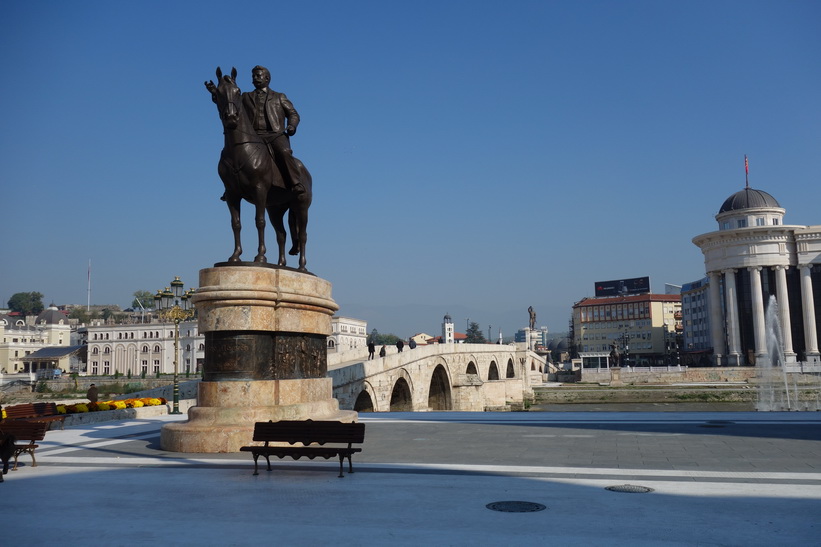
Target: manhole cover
{"x": 629, "y": 488}
{"x": 515, "y": 506}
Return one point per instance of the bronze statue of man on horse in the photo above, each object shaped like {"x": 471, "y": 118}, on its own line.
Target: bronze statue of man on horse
{"x": 257, "y": 163}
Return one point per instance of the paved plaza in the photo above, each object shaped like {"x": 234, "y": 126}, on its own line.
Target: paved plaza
{"x": 728, "y": 478}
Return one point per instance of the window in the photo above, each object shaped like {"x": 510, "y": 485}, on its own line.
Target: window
{"x": 742, "y": 223}
{"x": 725, "y": 226}
{"x": 775, "y": 222}
{"x": 760, "y": 221}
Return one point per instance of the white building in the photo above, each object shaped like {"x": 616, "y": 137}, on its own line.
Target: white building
{"x": 19, "y": 338}
{"x": 448, "y": 330}
{"x": 142, "y": 348}
{"x": 752, "y": 257}
{"x": 347, "y": 334}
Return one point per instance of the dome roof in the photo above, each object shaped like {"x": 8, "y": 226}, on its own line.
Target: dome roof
{"x": 52, "y": 316}
{"x": 748, "y": 198}
{"x": 557, "y": 344}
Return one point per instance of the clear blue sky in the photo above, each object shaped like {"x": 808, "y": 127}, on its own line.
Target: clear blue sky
{"x": 469, "y": 157}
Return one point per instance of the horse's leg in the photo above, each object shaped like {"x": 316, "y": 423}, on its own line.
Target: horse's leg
{"x": 275, "y": 213}
{"x": 301, "y": 236}
{"x": 294, "y": 229}
{"x": 236, "y": 226}
{"x": 260, "y": 220}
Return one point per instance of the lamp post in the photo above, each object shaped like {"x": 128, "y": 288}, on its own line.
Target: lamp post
{"x": 174, "y": 304}
{"x": 625, "y": 343}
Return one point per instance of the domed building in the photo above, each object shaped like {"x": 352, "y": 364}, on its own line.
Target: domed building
{"x": 752, "y": 258}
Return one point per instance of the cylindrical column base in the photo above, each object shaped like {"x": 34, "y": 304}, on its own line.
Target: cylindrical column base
{"x": 265, "y": 356}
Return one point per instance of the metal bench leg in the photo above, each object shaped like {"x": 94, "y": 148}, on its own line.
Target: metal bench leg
{"x": 350, "y": 464}
{"x": 256, "y": 470}
{"x": 341, "y": 459}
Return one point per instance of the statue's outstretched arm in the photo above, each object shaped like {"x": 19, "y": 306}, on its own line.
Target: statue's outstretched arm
{"x": 209, "y": 85}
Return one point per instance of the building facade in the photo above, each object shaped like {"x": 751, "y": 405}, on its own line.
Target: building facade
{"x": 697, "y": 343}
{"x": 139, "y": 349}
{"x": 753, "y": 261}
{"x": 642, "y": 327}
{"x": 347, "y": 334}
{"x": 20, "y": 338}
{"x": 536, "y": 339}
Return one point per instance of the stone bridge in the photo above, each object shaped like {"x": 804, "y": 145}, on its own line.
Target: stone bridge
{"x": 472, "y": 377}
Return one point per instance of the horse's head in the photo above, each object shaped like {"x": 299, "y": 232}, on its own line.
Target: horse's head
{"x": 227, "y": 96}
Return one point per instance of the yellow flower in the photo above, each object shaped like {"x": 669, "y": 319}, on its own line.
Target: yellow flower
{"x": 61, "y": 409}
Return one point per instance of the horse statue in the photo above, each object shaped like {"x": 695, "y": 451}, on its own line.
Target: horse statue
{"x": 249, "y": 172}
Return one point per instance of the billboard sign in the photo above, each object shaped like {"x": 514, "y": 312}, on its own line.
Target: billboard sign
{"x": 623, "y": 287}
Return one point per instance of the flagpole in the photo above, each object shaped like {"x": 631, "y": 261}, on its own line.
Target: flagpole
{"x": 746, "y": 172}
{"x": 88, "y": 303}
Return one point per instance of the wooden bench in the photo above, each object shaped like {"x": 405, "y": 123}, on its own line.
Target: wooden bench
{"x": 306, "y": 432}
{"x": 24, "y": 430}
{"x": 40, "y": 412}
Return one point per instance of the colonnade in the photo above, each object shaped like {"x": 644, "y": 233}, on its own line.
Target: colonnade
{"x": 727, "y": 350}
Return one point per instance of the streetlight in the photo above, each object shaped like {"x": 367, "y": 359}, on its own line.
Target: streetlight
{"x": 174, "y": 304}
{"x": 625, "y": 343}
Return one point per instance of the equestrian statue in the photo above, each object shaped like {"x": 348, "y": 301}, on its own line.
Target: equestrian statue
{"x": 257, "y": 164}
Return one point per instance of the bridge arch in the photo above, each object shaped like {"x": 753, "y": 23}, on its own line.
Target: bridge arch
{"x": 511, "y": 370}
{"x": 493, "y": 371}
{"x": 366, "y": 400}
{"x": 401, "y": 399}
{"x": 471, "y": 369}
{"x": 439, "y": 393}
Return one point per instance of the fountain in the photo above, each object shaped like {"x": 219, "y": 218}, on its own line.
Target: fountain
{"x": 774, "y": 390}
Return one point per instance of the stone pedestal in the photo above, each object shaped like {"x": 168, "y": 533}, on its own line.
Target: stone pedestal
{"x": 615, "y": 377}
{"x": 265, "y": 356}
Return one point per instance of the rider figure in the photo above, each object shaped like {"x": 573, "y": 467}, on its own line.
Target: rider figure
{"x": 275, "y": 120}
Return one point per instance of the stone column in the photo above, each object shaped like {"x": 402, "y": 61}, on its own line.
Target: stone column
{"x": 808, "y": 303}
{"x": 784, "y": 312}
{"x": 265, "y": 356}
{"x": 759, "y": 326}
{"x": 733, "y": 334}
{"x": 716, "y": 318}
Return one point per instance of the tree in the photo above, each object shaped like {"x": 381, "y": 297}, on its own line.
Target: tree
{"x": 474, "y": 334}
{"x": 145, "y": 298}
{"x": 80, "y": 315}
{"x": 26, "y": 303}
{"x": 383, "y": 339}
